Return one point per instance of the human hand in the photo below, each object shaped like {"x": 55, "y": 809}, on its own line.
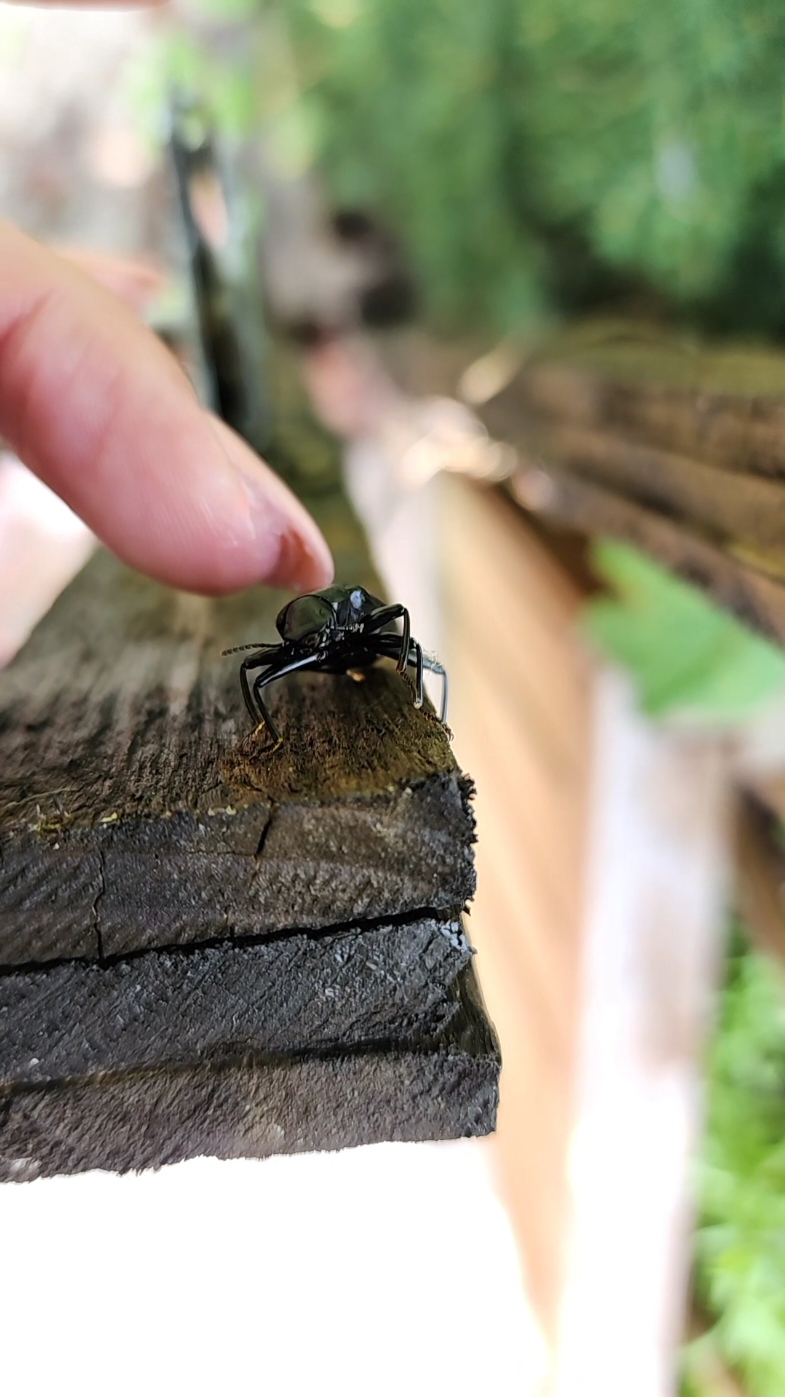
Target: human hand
{"x": 94, "y": 404}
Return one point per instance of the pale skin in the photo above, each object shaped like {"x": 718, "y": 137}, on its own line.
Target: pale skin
{"x": 95, "y": 405}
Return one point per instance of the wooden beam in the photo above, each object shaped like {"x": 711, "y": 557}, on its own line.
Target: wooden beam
{"x": 244, "y": 1051}
{"x": 566, "y": 499}
{"x": 132, "y": 815}
{"x": 736, "y": 511}
{"x": 202, "y": 944}
{"x": 522, "y": 717}
{"x": 722, "y": 404}
{"x": 630, "y": 431}
{"x": 652, "y": 945}
{"x": 604, "y": 856}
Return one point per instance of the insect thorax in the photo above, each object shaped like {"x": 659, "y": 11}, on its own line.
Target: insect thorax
{"x": 312, "y": 617}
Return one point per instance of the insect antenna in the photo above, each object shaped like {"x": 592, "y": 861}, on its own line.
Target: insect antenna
{"x": 258, "y": 645}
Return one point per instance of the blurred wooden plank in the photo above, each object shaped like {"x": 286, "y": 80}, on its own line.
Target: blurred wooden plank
{"x": 638, "y": 433}
{"x": 596, "y": 511}
{"x": 535, "y": 1102}
{"x": 769, "y": 787}
{"x": 534, "y": 803}
{"x": 723, "y": 404}
{"x": 760, "y": 873}
{"x": 739, "y": 512}
{"x": 521, "y": 715}
{"x": 602, "y": 991}
{"x": 518, "y": 611}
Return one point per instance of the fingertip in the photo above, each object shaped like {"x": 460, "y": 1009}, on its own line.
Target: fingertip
{"x": 301, "y": 567}
{"x": 96, "y": 406}
{"x": 302, "y": 560}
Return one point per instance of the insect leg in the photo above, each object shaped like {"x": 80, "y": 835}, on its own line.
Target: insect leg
{"x": 423, "y": 661}
{"x": 263, "y": 713}
{"x": 382, "y": 617}
{"x": 419, "y": 692}
{"x": 436, "y": 668}
{"x": 267, "y": 677}
{"x": 255, "y": 661}
{"x": 387, "y": 645}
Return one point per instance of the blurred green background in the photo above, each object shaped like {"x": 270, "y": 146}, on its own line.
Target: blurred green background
{"x": 539, "y": 157}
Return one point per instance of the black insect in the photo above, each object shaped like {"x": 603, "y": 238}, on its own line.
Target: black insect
{"x": 338, "y": 631}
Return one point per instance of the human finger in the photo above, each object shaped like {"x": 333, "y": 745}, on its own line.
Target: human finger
{"x": 133, "y": 280}
{"x": 98, "y": 408}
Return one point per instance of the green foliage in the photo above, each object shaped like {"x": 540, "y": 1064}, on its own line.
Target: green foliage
{"x": 685, "y": 655}
{"x": 740, "y": 1266}
{"x": 539, "y": 155}
{"x": 523, "y": 146}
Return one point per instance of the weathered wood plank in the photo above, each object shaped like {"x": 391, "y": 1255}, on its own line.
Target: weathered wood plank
{"x": 735, "y": 511}
{"x": 206, "y": 947}
{"x": 295, "y": 994}
{"x": 532, "y": 804}
{"x": 721, "y": 404}
{"x": 426, "y": 1089}
{"x": 592, "y": 509}
{"x": 677, "y": 446}
{"x": 658, "y": 859}
{"x": 130, "y": 817}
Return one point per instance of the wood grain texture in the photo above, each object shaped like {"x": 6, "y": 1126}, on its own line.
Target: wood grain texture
{"x": 725, "y": 508}
{"x": 640, "y": 433}
{"x": 295, "y": 994}
{"x": 722, "y": 405}
{"x": 131, "y": 816}
{"x": 247, "y": 1106}
{"x": 206, "y": 947}
{"x": 677, "y": 446}
{"x": 522, "y": 716}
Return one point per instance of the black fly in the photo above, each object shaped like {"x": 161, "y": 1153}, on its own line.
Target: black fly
{"x": 337, "y": 631}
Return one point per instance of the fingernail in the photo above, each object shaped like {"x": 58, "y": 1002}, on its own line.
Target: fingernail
{"x": 292, "y": 550}
{"x": 304, "y": 564}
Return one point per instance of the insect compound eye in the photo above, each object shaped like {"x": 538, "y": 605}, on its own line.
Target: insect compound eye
{"x": 357, "y": 598}
{"x": 304, "y": 617}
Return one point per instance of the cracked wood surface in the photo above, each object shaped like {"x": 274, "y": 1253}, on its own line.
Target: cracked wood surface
{"x": 208, "y": 948}
{"x": 405, "y": 1089}
{"x": 130, "y": 817}
{"x": 340, "y": 990}
{"x": 303, "y": 1042}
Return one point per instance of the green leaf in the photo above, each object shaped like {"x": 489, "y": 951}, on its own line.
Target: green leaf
{"x": 685, "y": 655}
{"x": 740, "y": 1242}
